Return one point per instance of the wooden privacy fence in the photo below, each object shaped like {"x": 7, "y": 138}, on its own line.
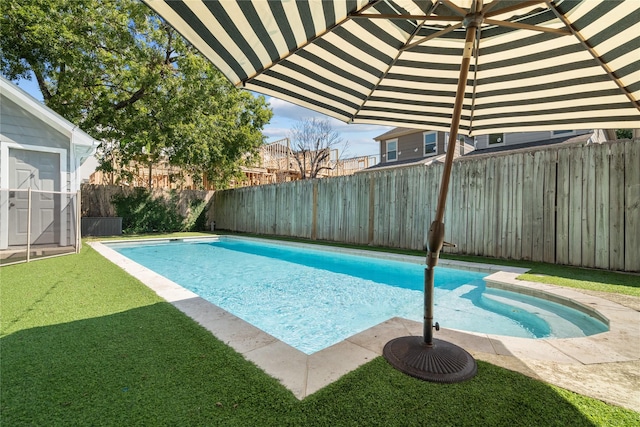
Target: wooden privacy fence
{"x": 573, "y": 205}
{"x": 97, "y": 199}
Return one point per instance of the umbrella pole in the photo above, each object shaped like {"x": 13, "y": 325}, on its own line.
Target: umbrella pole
{"x": 435, "y": 239}
{"x": 425, "y": 357}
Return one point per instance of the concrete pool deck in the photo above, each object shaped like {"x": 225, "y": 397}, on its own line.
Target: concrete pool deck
{"x": 605, "y": 366}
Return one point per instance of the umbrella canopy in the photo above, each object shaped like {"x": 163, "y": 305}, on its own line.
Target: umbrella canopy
{"x": 537, "y": 65}
{"x": 457, "y": 65}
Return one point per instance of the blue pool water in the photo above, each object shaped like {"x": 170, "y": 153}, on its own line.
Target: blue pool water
{"x": 313, "y": 298}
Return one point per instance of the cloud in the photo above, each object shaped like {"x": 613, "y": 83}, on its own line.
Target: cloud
{"x": 359, "y": 136}
{"x": 287, "y": 110}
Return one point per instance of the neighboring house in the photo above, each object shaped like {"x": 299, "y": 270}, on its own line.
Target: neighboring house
{"x": 163, "y": 175}
{"x": 404, "y": 146}
{"x": 277, "y": 163}
{"x": 41, "y": 150}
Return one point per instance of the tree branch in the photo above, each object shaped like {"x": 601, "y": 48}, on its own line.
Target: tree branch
{"x": 136, "y": 96}
{"x": 46, "y": 95}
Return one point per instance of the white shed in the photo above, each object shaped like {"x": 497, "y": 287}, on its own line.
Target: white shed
{"x": 40, "y": 157}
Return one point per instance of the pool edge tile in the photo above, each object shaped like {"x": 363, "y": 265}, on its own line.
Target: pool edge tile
{"x": 284, "y": 363}
{"x": 329, "y": 365}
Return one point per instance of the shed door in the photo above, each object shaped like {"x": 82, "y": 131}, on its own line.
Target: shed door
{"x": 40, "y": 171}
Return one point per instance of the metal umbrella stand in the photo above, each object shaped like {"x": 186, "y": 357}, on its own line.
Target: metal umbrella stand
{"x": 538, "y": 65}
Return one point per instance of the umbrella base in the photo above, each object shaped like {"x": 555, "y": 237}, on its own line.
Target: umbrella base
{"x": 441, "y": 362}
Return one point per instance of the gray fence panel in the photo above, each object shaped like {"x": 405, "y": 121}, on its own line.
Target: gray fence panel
{"x": 93, "y": 226}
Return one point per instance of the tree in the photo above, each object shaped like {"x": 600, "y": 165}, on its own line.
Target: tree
{"x": 127, "y": 78}
{"x": 312, "y": 141}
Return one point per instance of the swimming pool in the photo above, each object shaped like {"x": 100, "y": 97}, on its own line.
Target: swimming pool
{"x": 312, "y": 298}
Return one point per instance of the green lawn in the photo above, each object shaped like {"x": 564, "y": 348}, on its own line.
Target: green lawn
{"x": 83, "y": 343}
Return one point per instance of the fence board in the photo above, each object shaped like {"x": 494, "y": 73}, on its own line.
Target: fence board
{"x": 563, "y": 207}
{"x": 346, "y": 188}
{"x": 324, "y": 225}
{"x": 400, "y": 207}
{"x": 426, "y": 214}
{"x": 537, "y": 207}
{"x": 528, "y": 201}
{"x": 381, "y": 206}
{"x": 465, "y": 232}
{"x": 503, "y": 196}
{"x": 518, "y": 207}
{"x": 601, "y": 169}
{"x": 410, "y": 208}
{"x": 392, "y": 224}
{"x": 395, "y": 237}
{"x": 487, "y": 225}
{"x": 549, "y": 219}
{"x": 632, "y": 208}
{"x": 616, "y": 207}
{"x": 479, "y": 178}
{"x": 454, "y": 202}
{"x": 423, "y": 210}
{"x": 588, "y": 206}
{"x": 462, "y": 214}
{"x": 363, "y": 205}
{"x": 575, "y": 207}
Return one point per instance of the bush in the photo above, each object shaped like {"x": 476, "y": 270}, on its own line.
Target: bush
{"x": 197, "y": 218}
{"x": 141, "y": 213}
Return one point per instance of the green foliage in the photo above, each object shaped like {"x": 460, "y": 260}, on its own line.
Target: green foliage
{"x": 197, "y": 218}
{"x": 141, "y": 213}
{"x": 624, "y": 133}
{"x": 127, "y": 78}
{"x": 93, "y": 346}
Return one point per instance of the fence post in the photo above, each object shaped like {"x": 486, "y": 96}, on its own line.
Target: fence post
{"x": 78, "y": 213}
{"x": 314, "y": 218}
{"x": 28, "y": 224}
{"x": 371, "y": 209}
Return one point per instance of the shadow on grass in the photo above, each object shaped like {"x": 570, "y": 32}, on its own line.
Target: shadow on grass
{"x": 144, "y": 366}
{"x": 154, "y": 366}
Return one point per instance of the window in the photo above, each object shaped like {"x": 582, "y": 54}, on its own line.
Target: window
{"x": 496, "y": 138}
{"x": 392, "y": 150}
{"x": 430, "y": 139}
{"x": 562, "y": 132}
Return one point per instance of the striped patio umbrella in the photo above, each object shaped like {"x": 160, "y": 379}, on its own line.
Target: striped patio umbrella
{"x": 468, "y": 66}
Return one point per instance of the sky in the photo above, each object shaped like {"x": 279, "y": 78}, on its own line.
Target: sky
{"x": 359, "y": 138}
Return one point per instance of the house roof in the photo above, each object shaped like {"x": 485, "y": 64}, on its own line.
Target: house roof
{"x": 77, "y": 137}
{"x": 403, "y": 163}
{"x": 396, "y": 132}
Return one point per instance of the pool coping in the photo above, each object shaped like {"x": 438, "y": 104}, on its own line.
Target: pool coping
{"x": 305, "y": 374}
